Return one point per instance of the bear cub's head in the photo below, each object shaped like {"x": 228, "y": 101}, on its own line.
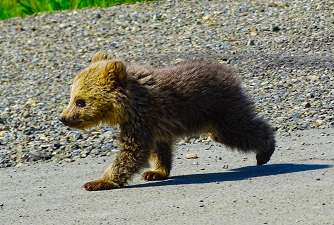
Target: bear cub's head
{"x": 95, "y": 94}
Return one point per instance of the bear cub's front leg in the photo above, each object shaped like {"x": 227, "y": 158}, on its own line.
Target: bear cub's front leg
{"x": 128, "y": 161}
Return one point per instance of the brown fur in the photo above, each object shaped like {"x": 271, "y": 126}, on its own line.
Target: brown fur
{"x": 153, "y": 107}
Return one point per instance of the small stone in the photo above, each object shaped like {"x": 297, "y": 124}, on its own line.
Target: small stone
{"x": 77, "y": 135}
{"x": 310, "y": 95}
{"x": 98, "y": 16}
{"x": 62, "y": 25}
{"x": 206, "y": 18}
{"x": 318, "y": 123}
{"x": 275, "y": 28}
{"x": 2, "y": 120}
{"x": 44, "y": 146}
{"x": 251, "y": 42}
{"x": 313, "y": 78}
{"x": 253, "y": 31}
{"x": 38, "y": 155}
{"x": 19, "y": 28}
{"x": 76, "y": 152}
{"x": 108, "y": 147}
{"x": 191, "y": 156}
{"x": 69, "y": 160}
{"x": 114, "y": 44}
{"x": 307, "y": 105}
{"x": 56, "y": 145}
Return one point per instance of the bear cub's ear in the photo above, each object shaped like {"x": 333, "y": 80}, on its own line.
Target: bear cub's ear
{"x": 100, "y": 56}
{"x": 116, "y": 70}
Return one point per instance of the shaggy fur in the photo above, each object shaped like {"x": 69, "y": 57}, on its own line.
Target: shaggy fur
{"x": 153, "y": 107}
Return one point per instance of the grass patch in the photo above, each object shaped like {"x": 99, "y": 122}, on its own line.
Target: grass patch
{"x": 14, "y": 8}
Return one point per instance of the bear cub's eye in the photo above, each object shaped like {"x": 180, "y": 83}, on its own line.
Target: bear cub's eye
{"x": 80, "y": 103}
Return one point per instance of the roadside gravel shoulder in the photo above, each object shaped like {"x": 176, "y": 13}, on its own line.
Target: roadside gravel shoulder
{"x": 282, "y": 51}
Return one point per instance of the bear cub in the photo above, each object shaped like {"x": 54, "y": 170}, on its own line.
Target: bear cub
{"x": 155, "y": 106}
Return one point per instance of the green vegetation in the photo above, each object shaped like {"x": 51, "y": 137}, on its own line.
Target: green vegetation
{"x": 13, "y": 8}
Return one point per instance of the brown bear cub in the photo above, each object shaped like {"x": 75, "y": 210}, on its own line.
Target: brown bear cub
{"x": 155, "y": 106}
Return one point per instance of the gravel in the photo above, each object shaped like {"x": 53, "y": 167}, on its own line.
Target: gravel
{"x": 283, "y": 51}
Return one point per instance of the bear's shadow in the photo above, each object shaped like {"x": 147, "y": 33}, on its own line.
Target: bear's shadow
{"x": 234, "y": 174}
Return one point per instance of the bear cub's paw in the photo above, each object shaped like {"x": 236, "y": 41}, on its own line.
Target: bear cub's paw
{"x": 100, "y": 185}
{"x": 263, "y": 158}
{"x": 154, "y": 175}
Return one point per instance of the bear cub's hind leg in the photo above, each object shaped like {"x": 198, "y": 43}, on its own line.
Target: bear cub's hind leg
{"x": 252, "y": 134}
{"x": 160, "y": 161}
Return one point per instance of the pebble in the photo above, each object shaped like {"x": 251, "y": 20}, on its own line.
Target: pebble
{"x": 275, "y": 28}
{"x": 191, "y": 156}
{"x": 251, "y": 42}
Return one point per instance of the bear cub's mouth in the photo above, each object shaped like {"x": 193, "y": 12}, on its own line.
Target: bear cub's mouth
{"x": 75, "y": 123}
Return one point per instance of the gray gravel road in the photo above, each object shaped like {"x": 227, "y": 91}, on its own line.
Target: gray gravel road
{"x": 283, "y": 50}
{"x": 220, "y": 187}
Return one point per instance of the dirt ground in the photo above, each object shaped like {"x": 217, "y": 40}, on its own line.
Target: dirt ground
{"x": 220, "y": 187}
